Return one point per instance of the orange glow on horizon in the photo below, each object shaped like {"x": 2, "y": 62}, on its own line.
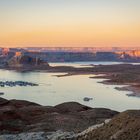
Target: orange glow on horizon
{"x": 82, "y": 36}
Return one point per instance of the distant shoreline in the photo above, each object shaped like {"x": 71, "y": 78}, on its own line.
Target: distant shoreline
{"x": 118, "y": 74}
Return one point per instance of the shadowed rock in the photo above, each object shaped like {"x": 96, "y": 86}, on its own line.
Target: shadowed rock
{"x": 125, "y": 126}
{"x": 3, "y": 101}
{"x": 17, "y": 116}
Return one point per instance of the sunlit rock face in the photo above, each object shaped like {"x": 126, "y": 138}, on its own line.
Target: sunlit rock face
{"x": 134, "y": 53}
{"x": 5, "y": 51}
{"x": 18, "y": 54}
{"x": 131, "y": 54}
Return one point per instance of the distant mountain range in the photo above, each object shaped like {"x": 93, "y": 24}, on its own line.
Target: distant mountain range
{"x": 75, "y": 54}
{"x": 128, "y": 56}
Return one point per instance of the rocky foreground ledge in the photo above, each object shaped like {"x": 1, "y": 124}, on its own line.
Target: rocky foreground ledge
{"x": 33, "y": 120}
{"x": 68, "y": 121}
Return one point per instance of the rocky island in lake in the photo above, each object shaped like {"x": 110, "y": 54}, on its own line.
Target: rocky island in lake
{"x": 22, "y": 62}
{"x": 17, "y": 83}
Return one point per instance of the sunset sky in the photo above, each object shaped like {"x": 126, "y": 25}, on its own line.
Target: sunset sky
{"x": 70, "y": 23}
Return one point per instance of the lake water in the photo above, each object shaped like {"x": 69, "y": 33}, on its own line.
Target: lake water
{"x": 84, "y": 64}
{"x": 53, "y": 90}
{"x": 89, "y": 64}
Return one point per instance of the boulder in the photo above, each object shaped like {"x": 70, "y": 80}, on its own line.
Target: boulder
{"x": 86, "y": 99}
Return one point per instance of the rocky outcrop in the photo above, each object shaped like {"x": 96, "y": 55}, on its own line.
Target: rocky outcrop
{"x": 58, "y": 135}
{"x": 67, "y": 121}
{"x": 125, "y": 126}
{"x": 17, "y": 116}
{"x": 26, "y": 61}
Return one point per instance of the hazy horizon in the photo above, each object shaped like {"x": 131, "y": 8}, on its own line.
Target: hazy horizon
{"x": 70, "y": 23}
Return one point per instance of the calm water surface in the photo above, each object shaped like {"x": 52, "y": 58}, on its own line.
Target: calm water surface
{"x": 53, "y": 90}
{"x": 89, "y": 64}
{"x": 84, "y": 64}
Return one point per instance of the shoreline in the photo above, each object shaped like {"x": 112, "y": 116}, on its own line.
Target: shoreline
{"x": 19, "y": 119}
{"x": 131, "y": 87}
{"x": 118, "y": 74}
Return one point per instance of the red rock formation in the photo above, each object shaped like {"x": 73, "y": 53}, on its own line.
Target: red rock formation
{"x": 132, "y": 54}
